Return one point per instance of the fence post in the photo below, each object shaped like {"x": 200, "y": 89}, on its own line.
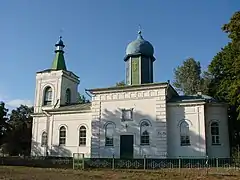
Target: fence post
{"x": 73, "y": 161}
{"x": 217, "y": 163}
{"x": 144, "y": 162}
{"x": 179, "y": 164}
{"x": 207, "y": 165}
{"x": 113, "y": 162}
{"x": 83, "y": 162}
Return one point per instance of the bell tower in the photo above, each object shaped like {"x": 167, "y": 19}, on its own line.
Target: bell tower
{"x": 139, "y": 61}
{"x": 56, "y": 86}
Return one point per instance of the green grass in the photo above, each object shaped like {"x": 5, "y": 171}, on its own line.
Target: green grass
{"x": 26, "y": 173}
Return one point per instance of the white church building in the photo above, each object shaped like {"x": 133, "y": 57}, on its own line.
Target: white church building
{"x": 142, "y": 118}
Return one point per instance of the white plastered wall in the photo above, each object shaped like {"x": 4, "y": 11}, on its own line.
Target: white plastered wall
{"x": 72, "y": 122}
{"x": 146, "y": 104}
{"x": 218, "y": 113}
{"x": 193, "y": 114}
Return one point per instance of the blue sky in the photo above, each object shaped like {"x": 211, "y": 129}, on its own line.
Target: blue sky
{"x": 96, "y": 34}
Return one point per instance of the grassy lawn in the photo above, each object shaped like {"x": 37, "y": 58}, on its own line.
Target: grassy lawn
{"x": 26, "y": 173}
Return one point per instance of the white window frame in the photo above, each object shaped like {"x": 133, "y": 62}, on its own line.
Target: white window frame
{"x": 48, "y": 94}
{"x": 215, "y": 137}
{"x": 144, "y": 126}
{"x": 44, "y": 139}
{"x": 82, "y": 137}
{"x": 62, "y": 137}
{"x": 68, "y": 96}
{"x": 184, "y": 134}
{"x": 127, "y": 114}
{"x": 109, "y": 139}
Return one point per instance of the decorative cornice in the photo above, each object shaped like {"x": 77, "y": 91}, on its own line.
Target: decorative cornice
{"x": 186, "y": 103}
{"x": 60, "y": 112}
{"x": 158, "y": 94}
{"x": 128, "y": 88}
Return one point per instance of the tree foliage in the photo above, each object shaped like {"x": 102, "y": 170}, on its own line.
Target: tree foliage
{"x": 225, "y": 67}
{"x": 18, "y": 136}
{"x": 82, "y": 99}
{"x": 225, "y": 72}
{"x": 233, "y": 28}
{"x": 21, "y": 121}
{"x": 120, "y": 84}
{"x": 188, "y": 77}
{"x": 221, "y": 80}
{"x": 3, "y": 122}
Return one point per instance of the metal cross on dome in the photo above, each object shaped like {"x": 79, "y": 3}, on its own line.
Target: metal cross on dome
{"x": 139, "y": 29}
{"x": 61, "y": 32}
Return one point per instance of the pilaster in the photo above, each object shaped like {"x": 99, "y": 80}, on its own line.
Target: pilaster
{"x": 161, "y": 124}
{"x": 96, "y": 117}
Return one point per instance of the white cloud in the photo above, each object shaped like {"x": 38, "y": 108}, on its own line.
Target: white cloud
{"x": 17, "y": 102}
{"x": 2, "y": 98}
{"x": 13, "y": 103}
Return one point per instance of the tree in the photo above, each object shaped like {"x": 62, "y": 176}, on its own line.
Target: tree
{"x": 4, "y": 127}
{"x": 19, "y": 140}
{"x": 120, "y": 84}
{"x": 188, "y": 79}
{"x": 233, "y": 28}
{"x": 82, "y": 99}
{"x": 225, "y": 66}
{"x": 225, "y": 72}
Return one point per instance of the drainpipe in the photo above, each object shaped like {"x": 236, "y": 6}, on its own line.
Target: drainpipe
{"x": 48, "y": 115}
{"x": 167, "y": 114}
{"x": 167, "y": 89}
{"x": 47, "y": 129}
{"x": 206, "y": 128}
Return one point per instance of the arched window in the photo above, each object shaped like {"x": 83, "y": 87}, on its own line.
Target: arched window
{"x": 47, "y": 96}
{"x": 215, "y": 133}
{"x": 109, "y": 134}
{"x": 62, "y": 136}
{"x": 44, "y": 139}
{"x": 82, "y": 136}
{"x": 184, "y": 134}
{"x": 68, "y": 96}
{"x": 144, "y": 131}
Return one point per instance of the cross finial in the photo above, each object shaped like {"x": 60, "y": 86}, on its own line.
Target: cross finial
{"x": 139, "y": 32}
{"x": 139, "y": 29}
{"x": 61, "y": 32}
{"x": 60, "y": 42}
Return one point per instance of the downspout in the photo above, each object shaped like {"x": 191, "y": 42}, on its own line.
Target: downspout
{"x": 47, "y": 129}
{"x": 56, "y": 104}
{"x": 99, "y": 132}
{"x": 206, "y": 128}
{"x": 52, "y": 133}
{"x": 167, "y": 88}
{"x": 166, "y": 115}
{"x": 199, "y": 134}
{"x": 48, "y": 115}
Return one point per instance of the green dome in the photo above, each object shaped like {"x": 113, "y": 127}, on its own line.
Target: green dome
{"x": 140, "y": 46}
